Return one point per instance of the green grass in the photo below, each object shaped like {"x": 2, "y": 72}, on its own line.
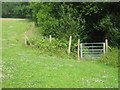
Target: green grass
{"x": 25, "y": 67}
{"x": 111, "y": 58}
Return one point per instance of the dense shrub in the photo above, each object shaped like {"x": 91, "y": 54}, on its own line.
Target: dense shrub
{"x": 109, "y": 25}
{"x": 69, "y": 23}
{"x": 91, "y": 22}
{"x": 85, "y": 21}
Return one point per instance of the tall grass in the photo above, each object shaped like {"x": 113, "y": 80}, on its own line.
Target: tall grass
{"x": 110, "y": 58}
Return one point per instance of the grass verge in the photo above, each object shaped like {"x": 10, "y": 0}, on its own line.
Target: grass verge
{"x": 25, "y": 67}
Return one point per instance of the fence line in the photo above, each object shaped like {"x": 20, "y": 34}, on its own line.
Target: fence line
{"x": 83, "y": 48}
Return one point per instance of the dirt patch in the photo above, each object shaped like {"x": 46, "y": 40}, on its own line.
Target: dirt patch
{"x": 11, "y": 19}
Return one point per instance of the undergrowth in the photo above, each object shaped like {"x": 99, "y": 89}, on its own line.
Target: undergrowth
{"x": 58, "y": 48}
{"x": 110, "y": 58}
{"x": 54, "y": 48}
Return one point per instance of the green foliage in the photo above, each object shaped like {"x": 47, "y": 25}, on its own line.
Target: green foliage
{"x": 88, "y": 21}
{"x": 111, "y": 58}
{"x": 43, "y": 44}
{"x": 89, "y": 9}
{"x": 68, "y": 23}
{"x": 15, "y": 9}
{"x": 110, "y": 26}
{"x": 35, "y": 7}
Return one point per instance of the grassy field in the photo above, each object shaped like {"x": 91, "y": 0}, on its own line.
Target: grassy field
{"x": 24, "y": 67}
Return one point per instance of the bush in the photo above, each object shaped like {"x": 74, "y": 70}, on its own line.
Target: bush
{"x": 69, "y": 23}
{"x": 109, "y": 25}
{"x": 111, "y": 58}
{"x": 56, "y": 48}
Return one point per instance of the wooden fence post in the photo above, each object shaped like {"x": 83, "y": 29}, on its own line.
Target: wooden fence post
{"x": 50, "y": 38}
{"x": 106, "y": 44}
{"x": 69, "y": 44}
{"x": 78, "y": 50}
{"x": 27, "y": 41}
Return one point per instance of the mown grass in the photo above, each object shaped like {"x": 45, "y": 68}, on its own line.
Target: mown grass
{"x": 25, "y": 67}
